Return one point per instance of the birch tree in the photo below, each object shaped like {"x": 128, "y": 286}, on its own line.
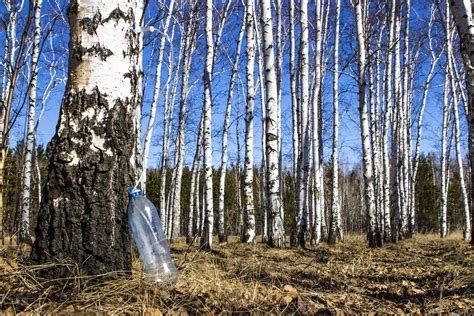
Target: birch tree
{"x": 335, "y": 230}
{"x": 443, "y": 230}
{"x": 248, "y": 234}
{"x": 263, "y": 167}
{"x": 457, "y": 137}
{"x": 317, "y": 169}
{"x": 373, "y": 235}
{"x": 276, "y": 237}
{"x": 387, "y": 118}
{"x": 462, "y": 13}
{"x": 206, "y": 237}
{"x": 94, "y": 150}
{"x": 15, "y": 62}
{"x": 174, "y": 205}
{"x": 24, "y": 233}
{"x": 301, "y": 217}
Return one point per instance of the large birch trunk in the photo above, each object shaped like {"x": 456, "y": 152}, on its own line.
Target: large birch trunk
{"x": 92, "y": 157}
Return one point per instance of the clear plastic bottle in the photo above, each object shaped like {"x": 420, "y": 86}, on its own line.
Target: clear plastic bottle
{"x": 150, "y": 240}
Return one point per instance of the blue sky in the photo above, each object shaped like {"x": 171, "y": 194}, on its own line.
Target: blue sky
{"x": 349, "y": 120}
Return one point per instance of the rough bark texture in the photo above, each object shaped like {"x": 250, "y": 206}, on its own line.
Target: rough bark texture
{"x": 92, "y": 158}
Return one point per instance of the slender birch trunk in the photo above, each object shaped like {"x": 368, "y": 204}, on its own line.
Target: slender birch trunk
{"x": 248, "y": 234}
{"x": 24, "y": 233}
{"x": 193, "y": 218}
{"x": 444, "y": 162}
{"x": 301, "y": 216}
{"x": 225, "y": 133}
{"x": 462, "y": 13}
{"x": 335, "y": 230}
{"x": 276, "y": 237}
{"x": 387, "y": 119}
{"x": 373, "y": 234}
{"x": 206, "y": 237}
{"x": 263, "y": 141}
{"x": 457, "y": 137}
{"x": 318, "y": 195}
{"x": 15, "y": 61}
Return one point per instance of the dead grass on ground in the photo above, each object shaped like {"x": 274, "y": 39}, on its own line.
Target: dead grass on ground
{"x": 421, "y": 275}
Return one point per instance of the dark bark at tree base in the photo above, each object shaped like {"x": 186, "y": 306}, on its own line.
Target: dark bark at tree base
{"x": 83, "y": 216}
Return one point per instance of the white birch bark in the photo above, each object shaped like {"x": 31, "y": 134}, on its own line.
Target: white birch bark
{"x": 335, "y": 230}
{"x": 444, "y": 161}
{"x": 301, "y": 216}
{"x": 248, "y": 234}
{"x": 316, "y": 133}
{"x": 462, "y": 13}
{"x": 263, "y": 141}
{"x": 24, "y": 233}
{"x": 193, "y": 217}
{"x": 206, "y": 237}
{"x": 276, "y": 237}
{"x": 373, "y": 235}
{"x": 387, "y": 192}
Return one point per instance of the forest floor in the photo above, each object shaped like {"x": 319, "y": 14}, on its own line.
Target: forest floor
{"x": 420, "y": 275}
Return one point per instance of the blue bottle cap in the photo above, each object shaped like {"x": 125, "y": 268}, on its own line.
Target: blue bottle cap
{"x": 134, "y": 192}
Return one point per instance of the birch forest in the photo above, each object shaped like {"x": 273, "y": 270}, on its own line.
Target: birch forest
{"x": 304, "y": 157}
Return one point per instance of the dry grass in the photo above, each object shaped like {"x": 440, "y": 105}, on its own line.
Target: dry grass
{"x": 421, "y": 275}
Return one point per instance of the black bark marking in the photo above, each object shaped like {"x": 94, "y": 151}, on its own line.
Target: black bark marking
{"x": 90, "y": 25}
{"x": 80, "y": 51}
